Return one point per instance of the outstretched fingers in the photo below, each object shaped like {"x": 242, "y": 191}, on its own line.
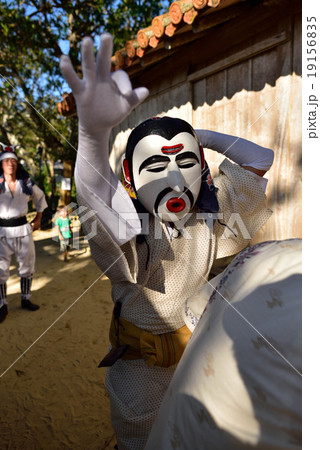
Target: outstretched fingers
{"x": 134, "y": 97}
{"x": 138, "y": 96}
{"x": 88, "y": 63}
{"x": 70, "y": 75}
{"x": 98, "y": 82}
{"x": 104, "y": 55}
{"x": 123, "y": 82}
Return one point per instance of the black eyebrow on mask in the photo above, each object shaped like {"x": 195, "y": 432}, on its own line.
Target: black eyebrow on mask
{"x": 153, "y": 159}
{"x": 186, "y": 155}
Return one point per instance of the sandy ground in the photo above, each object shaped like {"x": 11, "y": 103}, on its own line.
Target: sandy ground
{"x": 52, "y": 395}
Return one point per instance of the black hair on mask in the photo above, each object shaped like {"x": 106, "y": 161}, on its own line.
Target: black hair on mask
{"x": 166, "y": 127}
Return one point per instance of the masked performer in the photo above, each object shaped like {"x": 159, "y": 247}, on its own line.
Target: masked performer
{"x": 16, "y": 189}
{"x": 158, "y": 244}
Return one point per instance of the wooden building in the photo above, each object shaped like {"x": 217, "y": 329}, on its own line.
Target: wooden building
{"x": 231, "y": 66}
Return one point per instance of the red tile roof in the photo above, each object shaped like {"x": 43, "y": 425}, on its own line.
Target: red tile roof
{"x": 181, "y": 14}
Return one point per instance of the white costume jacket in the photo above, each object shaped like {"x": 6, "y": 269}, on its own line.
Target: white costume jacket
{"x": 153, "y": 279}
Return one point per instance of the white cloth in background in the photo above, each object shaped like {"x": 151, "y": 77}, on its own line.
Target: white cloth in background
{"x": 238, "y": 384}
{"x": 12, "y": 207}
{"x": 24, "y": 250}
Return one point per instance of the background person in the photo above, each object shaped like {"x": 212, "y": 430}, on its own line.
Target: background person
{"x": 63, "y": 224}
{"x": 16, "y": 189}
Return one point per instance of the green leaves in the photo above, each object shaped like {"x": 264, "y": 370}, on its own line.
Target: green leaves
{"x": 33, "y": 36}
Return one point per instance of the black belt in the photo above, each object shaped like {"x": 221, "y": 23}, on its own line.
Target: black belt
{"x": 13, "y": 222}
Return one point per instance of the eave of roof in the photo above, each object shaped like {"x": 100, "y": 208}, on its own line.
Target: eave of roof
{"x": 184, "y": 21}
{"x": 182, "y": 15}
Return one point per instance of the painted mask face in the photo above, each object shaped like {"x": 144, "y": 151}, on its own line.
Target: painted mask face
{"x": 167, "y": 174}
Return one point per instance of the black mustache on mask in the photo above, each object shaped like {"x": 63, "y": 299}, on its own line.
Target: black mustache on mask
{"x": 168, "y": 190}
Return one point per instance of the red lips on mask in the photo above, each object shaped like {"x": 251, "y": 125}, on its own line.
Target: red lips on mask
{"x": 175, "y": 205}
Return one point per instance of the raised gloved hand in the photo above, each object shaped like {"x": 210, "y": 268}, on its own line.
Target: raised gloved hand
{"x": 103, "y": 99}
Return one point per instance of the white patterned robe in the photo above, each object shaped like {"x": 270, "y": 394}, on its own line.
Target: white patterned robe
{"x": 152, "y": 280}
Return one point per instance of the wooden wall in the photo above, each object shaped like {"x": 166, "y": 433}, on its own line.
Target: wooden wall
{"x": 252, "y": 90}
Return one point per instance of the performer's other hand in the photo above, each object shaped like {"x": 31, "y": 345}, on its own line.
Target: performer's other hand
{"x": 36, "y": 224}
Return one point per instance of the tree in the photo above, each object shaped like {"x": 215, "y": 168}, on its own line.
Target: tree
{"x": 33, "y": 36}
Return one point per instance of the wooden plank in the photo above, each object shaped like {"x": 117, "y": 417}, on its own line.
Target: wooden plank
{"x": 297, "y": 45}
{"x": 278, "y": 104}
{"x": 222, "y": 14}
{"x": 199, "y": 93}
{"x": 239, "y": 78}
{"x": 216, "y": 87}
{"x": 242, "y": 55}
{"x": 270, "y": 65}
{"x": 263, "y": 106}
{"x": 175, "y": 61}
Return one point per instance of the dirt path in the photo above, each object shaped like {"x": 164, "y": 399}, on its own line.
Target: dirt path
{"x": 53, "y": 395}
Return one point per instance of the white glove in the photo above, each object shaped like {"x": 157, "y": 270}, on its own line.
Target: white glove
{"x": 241, "y": 151}
{"x": 103, "y": 99}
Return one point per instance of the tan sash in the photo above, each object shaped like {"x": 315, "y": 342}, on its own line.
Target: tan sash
{"x": 162, "y": 350}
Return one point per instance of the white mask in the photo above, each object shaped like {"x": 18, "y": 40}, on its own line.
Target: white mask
{"x": 167, "y": 174}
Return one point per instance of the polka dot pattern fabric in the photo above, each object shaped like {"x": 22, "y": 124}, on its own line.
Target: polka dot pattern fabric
{"x": 153, "y": 280}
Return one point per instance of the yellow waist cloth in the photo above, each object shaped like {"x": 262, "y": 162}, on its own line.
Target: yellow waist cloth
{"x": 162, "y": 350}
